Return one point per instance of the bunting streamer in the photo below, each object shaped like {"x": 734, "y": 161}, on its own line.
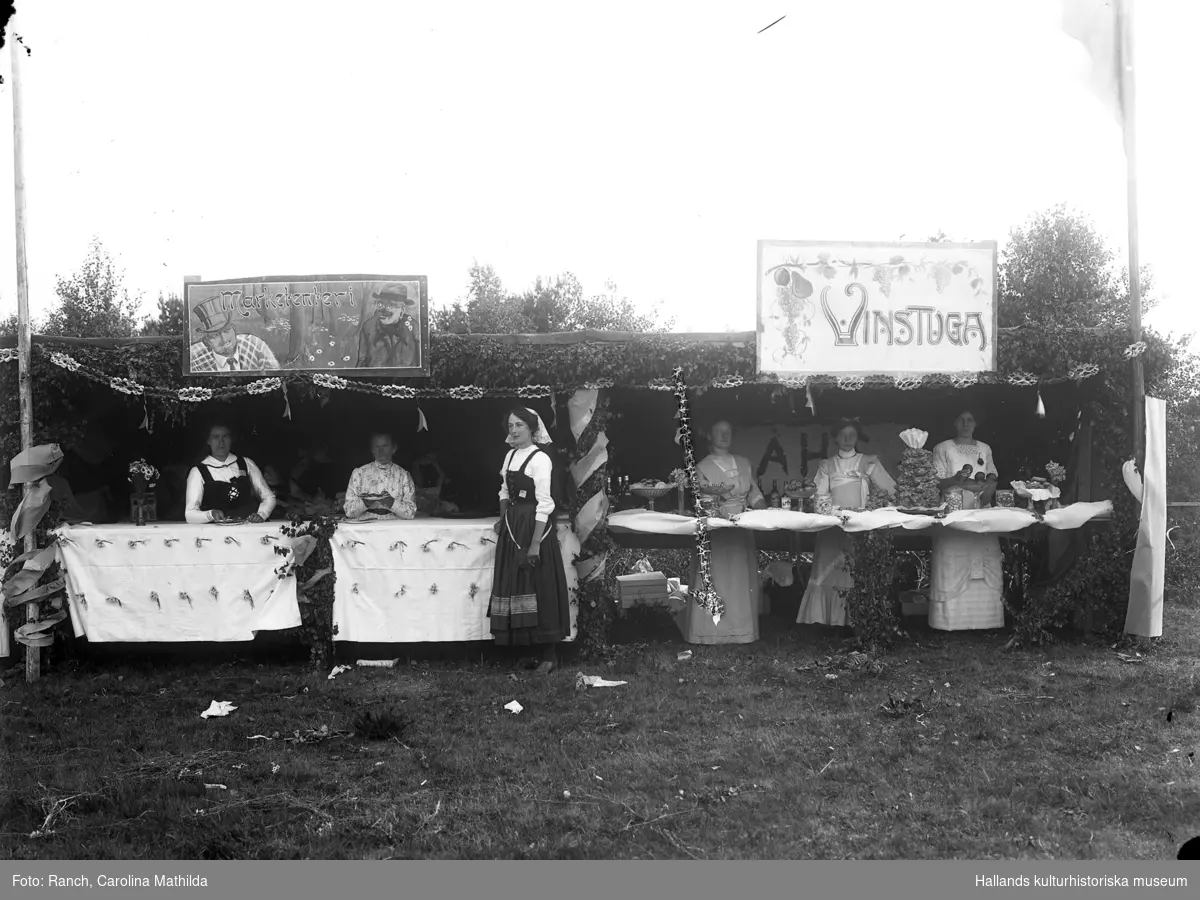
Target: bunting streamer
{"x": 592, "y": 514}
{"x": 581, "y": 407}
{"x": 706, "y": 596}
{"x": 584, "y": 468}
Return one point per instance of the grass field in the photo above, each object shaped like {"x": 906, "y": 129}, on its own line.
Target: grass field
{"x": 788, "y": 748}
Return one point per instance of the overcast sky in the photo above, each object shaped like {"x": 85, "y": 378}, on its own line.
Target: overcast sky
{"x": 652, "y": 142}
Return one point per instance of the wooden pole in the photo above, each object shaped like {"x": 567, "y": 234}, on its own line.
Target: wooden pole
{"x": 33, "y": 655}
{"x": 1128, "y": 120}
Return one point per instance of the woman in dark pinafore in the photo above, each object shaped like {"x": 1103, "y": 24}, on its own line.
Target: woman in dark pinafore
{"x": 529, "y": 604}
{"x": 224, "y": 486}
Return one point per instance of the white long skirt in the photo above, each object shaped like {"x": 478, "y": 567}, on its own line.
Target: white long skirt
{"x": 734, "y": 569}
{"x": 824, "y": 603}
{"x": 967, "y": 581}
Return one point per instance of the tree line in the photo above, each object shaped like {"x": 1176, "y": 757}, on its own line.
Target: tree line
{"x": 1055, "y": 271}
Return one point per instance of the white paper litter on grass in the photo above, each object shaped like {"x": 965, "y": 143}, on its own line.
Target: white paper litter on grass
{"x": 513, "y": 707}
{"x": 582, "y": 680}
{"x": 337, "y": 670}
{"x": 218, "y": 708}
{"x": 382, "y": 663}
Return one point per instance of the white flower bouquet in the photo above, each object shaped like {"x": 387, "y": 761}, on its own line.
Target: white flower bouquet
{"x": 1057, "y": 472}
{"x": 142, "y": 475}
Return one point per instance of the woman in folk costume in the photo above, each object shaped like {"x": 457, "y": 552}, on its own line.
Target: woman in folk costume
{"x": 846, "y": 478}
{"x": 224, "y": 486}
{"x": 529, "y": 603}
{"x": 967, "y": 581}
{"x": 733, "y": 555}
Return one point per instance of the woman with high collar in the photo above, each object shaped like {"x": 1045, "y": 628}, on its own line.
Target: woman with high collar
{"x": 380, "y": 489}
{"x": 530, "y": 604}
{"x": 729, "y": 479}
{"x": 224, "y": 486}
{"x": 845, "y": 478}
{"x": 967, "y": 580}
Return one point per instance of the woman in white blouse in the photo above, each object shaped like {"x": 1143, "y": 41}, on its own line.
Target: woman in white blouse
{"x": 224, "y": 486}
{"x": 529, "y": 603}
{"x": 380, "y": 489}
{"x": 967, "y": 581}
{"x": 733, "y": 557}
{"x": 846, "y": 478}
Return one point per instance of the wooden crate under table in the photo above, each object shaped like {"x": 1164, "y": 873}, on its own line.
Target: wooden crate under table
{"x": 649, "y": 589}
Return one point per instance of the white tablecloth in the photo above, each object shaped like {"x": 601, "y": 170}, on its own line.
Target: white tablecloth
{"x": 994, "y": 521}
{"x": 422, "y": 579}
{"x": 114, "y": 573}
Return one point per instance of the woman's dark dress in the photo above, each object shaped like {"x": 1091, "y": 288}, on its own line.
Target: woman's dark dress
{"x": 236, "y": 498}
{"x": 529, "y": 604}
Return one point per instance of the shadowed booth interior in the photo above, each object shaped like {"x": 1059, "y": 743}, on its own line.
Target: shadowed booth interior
{"x": 467, "y": 436}
{"x": 642, "y": 435}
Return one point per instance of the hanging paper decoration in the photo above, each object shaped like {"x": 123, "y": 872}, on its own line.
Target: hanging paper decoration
{"x": 706, "y": 596}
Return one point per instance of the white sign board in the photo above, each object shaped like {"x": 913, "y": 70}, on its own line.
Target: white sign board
{"x": 846, "y": 308}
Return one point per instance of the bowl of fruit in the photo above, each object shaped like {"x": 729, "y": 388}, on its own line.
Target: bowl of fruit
{"x": 799, "y": 489}
{"x": 651, "y": 489}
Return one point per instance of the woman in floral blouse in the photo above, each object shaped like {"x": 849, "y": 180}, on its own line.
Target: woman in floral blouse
{"x": 381, "y": 489}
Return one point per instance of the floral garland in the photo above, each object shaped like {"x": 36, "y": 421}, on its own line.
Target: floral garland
{"x": 706, "y": 596}
{"x": 1137, "y": 348}
{"x": 327, "y": 381}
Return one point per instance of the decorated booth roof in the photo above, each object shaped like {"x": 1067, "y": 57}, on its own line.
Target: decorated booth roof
{"x": 537, "y": 365}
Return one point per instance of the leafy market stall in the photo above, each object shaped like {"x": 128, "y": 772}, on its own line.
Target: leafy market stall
{"x": 594, "y": 373}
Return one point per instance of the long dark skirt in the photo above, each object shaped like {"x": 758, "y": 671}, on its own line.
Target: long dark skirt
{"x": 529, "y": 604}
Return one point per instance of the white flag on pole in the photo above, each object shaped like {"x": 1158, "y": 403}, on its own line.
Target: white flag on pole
{"x": 1097, "y": 25}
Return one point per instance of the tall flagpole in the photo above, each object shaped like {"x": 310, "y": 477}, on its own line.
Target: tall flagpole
{"x": 1128, "y": 126}
{"x": 33, "y": 655}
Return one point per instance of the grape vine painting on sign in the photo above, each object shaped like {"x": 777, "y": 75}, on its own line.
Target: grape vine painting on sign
{"x": 876, "y": 309}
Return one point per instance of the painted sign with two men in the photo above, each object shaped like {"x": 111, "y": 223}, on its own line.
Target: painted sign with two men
{"x": 346, "y": 324}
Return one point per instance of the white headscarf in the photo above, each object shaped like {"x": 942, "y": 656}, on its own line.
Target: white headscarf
{"x": 540, "y": 435}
